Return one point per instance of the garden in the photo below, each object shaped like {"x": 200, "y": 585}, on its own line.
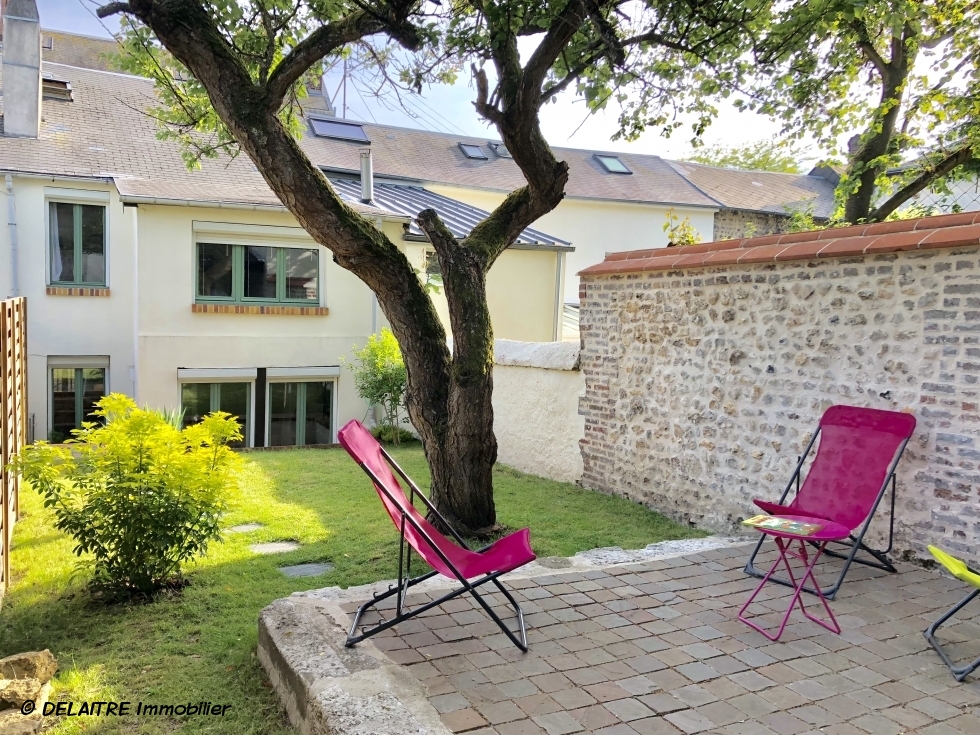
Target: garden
{"x": 190, "y": 632}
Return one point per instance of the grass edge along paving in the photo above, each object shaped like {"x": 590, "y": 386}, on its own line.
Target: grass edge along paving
{"x": 199, "y": 645}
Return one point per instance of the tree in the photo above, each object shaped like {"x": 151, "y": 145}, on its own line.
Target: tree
{"x": 765, "y": 155}
{"x": 228, "y": 75}
{"x": 380, "y": 378}
{"x": 857, "y": 68}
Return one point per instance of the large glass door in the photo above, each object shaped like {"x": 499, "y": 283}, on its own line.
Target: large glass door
{"x": 199, "y": 399}
{"x": 74, "y": 393}
{"x": 300, "y": 413}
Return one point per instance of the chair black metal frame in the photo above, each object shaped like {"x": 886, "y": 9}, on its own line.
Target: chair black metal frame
{"x": 405, "y": 580}
{"x": 959, "y": 672}
{"x": 854, "y": 543}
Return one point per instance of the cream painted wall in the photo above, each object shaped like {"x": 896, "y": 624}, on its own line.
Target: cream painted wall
{"x": 172, "y": 336}
{"x": 520, "y": 292}
{"x": 594, "y": 227}
{"x": 71, "y": 325}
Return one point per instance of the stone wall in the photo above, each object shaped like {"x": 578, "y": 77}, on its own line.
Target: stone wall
{"x": 732, "y": 224}
{"x": 536, "y": 391}
{"x": 704, "y": 385}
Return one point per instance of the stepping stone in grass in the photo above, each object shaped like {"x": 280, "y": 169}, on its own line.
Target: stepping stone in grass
{"x": 306, "y": 570}
{"x": 275, "y": 547}
{"x": 245, "y": 528}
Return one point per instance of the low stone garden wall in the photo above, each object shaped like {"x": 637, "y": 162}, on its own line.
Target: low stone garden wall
{"x": 703, "y": 384}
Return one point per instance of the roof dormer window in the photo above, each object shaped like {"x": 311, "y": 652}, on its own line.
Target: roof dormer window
{"x": 473, "y": 152}
{"x": 338, "y": 129}
{"x": 53, "y": 88}
{"x": 500, "y": 149}
{"x": 612, "y": 164}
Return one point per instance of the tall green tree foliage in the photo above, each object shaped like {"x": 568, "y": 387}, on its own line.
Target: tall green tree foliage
{"x": 229, "y": 75}
{"x": 899, "y": 79}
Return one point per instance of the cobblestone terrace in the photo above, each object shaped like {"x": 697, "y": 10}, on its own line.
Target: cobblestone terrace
{"x": 656, "y": 649}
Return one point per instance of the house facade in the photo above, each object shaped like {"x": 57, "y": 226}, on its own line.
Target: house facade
{"x": 194, "y": 289}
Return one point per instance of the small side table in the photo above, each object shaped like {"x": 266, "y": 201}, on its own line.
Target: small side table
{"x": 785, "y": 542}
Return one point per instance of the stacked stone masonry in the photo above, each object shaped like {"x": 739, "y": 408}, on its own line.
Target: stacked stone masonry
{"x": 732, "y": 224}
{"x": 703, "y": 386}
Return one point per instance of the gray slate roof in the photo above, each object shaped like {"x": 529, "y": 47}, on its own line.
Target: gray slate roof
{"x": 105, "y": 133}
{"x": 460, "y": 218}
{"x": 760, "y": 191}
{"x": 424, "y": 156}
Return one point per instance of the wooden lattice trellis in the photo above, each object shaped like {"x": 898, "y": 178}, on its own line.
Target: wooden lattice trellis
{"x": 13, "y": 419}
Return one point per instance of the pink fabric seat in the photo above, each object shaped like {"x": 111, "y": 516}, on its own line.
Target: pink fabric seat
{"x": 856, "y": 449}
{"x": 508, "y": 553}
{"x": 455, "y": 561}
{"x": 855, "y": 462}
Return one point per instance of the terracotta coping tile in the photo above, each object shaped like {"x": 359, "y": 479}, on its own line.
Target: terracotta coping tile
{"x": 709, "y": 247}
{"x": 951, "y": 237}
{"x": 724, "y": 257}
{"x": 800, "y": 251}
{"x": 691, "y": 260}
{"x": 845, "y": 246}
{"x": 953, "y": 230}
{"x": 761, "y": 254}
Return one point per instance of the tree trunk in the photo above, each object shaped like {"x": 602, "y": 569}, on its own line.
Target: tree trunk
{"x": 877, "y": 139}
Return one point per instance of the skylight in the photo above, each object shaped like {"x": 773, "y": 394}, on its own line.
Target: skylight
{"x": 473, "y": 151}
{"x": 612, "y": 164}
{"x": 338, "y": 129}
{"x": 500, "y": 149}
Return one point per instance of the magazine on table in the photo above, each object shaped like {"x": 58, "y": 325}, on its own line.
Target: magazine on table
{"x": 785, "y": 525}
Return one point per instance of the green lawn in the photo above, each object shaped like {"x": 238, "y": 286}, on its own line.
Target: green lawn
{"x": 200, "y": 644}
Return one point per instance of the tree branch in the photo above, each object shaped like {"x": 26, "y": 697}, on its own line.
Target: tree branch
{"x": 328, "y": 38}
{"x": 870, "y": 52}
{"x": 112, "y": 8}
{"x": 931, "y": 174}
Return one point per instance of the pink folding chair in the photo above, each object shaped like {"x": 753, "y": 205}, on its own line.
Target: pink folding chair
{"x": 445, "y": 557}
{"x": 856, "y": 459}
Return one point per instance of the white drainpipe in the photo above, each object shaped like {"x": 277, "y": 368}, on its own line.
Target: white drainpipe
{"x": 12, "y": 226}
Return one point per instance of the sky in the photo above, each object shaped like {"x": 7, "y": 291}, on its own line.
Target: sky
{"x": 450, "y": 108}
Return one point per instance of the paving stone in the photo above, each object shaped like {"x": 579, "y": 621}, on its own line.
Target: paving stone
{"x": 245, "y": 528}
{"x": 558, "y": 723}
{"x": 275, "y": 547}
{"x": 689, "y": 721}
{"x": 629, "y": 709}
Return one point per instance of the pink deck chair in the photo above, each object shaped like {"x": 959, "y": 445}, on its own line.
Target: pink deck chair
{"x": 855, "y": 463}
{"x": 445, "y": 557}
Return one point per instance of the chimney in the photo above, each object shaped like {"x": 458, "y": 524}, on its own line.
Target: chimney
{"x": 367, "y": 176}
{"x": 21, "y": 69}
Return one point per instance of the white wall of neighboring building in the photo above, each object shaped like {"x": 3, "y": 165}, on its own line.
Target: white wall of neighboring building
{"x": 594, "y": 227}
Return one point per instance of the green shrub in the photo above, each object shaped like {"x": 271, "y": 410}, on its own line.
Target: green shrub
{"x": 137, "y": 493}
{"x": 387, "y": 434}
{"x": 380, "y": 378}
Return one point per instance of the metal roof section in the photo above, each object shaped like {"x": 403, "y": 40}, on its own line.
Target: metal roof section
{"x": 459, "y": 217}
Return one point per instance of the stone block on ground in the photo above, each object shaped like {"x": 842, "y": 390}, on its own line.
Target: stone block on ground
{"x": 40, "y": 665}
{"x": 14, "y": 692}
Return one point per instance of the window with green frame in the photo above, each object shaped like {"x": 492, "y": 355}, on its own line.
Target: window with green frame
{"x": 197, "y": 400}
{"x": 257, "y": 274}
{"x": 74, "y": 392}
{"x": 78, "y": 243}
{"x": 300, "y": 413}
